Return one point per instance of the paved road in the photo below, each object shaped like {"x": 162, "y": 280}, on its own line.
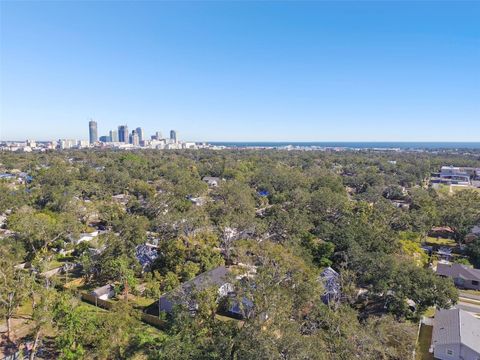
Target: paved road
{"x": 468, "y": 307}
{"x": 470, "y": 296}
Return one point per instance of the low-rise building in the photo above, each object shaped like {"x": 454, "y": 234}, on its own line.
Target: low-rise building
{"x": 456, "y": 335}
{"x": 105, "y": 292}
{"x": 219, "y": 278}
{"x": 462, "y": 275}
{"x": 473, "y": 234}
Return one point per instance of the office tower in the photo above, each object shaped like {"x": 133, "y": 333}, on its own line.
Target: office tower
{"x": 113, "y": 135}
{"x": 135, "y": 138}
{"x": 66, "y": 143}
{"x": 123, "y": 133}
{"x": 31, "y": 143}
{"x": 173, "y": 136}
{"x": 93, "y": 131}
{"x": 105, "y": 139}
{"x": 140, "y": 134}
{"x": 158, "y": 134}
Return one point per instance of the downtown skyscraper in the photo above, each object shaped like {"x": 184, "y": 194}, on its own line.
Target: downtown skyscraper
{"x": 123, "y": 135}
{"x": 173, "y": 136}
{"x": 93, "y": 131}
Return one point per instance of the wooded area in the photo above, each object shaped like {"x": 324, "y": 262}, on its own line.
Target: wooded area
{"x": 286, "y": 214}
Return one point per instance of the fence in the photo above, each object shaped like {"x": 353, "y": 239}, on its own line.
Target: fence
{"x": 104, "y": 304}
{"x": 154, "y": 321}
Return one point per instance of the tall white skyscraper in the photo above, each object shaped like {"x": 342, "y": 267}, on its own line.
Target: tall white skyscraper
{"x": 114, "y": 135}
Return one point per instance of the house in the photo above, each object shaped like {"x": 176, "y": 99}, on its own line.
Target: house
{"x": 212, "y": 181}
{"x": 86, "y": 237}
{"x": 219, "y": 278}
{"x": 462, "y": 275}
{"x": 331, "y": 283}
{"x": 104, "y": 293}
{"x": 473, "y": 234}
{"x": 445, "y": 232}
{"x": 444, "y": 253}
{"x": 146, "y": 254}
{"x": 456, "y": 335}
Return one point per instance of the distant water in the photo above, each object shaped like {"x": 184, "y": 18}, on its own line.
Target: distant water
{"x": 354, "y": 145}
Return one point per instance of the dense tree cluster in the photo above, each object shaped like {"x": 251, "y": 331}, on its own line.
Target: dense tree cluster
{"x": 289, "y": 214}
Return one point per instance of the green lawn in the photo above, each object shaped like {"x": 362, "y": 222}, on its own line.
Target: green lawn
{"x": 462, "y": 188}
{"x": 424, "y": 340}
{"x": 471, "y": 292}
{"x": 430, "y": 312}
{"x": 53, "y": 264}
{"x": 432, "y": 241}
{"x": 143, "y": 301}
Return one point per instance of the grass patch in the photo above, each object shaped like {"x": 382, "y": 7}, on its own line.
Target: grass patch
{"x": 75, "y": 284}
{"x": 471, "y": 292}
{"x": 142, "y": 301}
{"x": 424, "y": 340}
{"x": 53, "y": 264}
{"x": 432, "y": 241}
{"x": 430, "y": 312}
{"x": 462, "y": 188}
{"x": 25, "y": 309}
{"x": 469, "y": 301}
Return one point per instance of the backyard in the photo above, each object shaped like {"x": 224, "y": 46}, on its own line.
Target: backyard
{"x": 424, "y": 339}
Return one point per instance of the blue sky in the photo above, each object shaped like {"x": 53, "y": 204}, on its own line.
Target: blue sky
{"x": 274, "y": 71}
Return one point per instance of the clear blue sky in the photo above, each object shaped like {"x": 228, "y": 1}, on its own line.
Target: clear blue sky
{"x": 340, "y": 71}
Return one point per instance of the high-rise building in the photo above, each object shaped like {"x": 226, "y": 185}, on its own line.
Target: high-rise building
{"x": 31, "y": 143}
{"x": 114, "y": 135}
{"x": 123, "y": 135}
{"x": 157, "y": 136}
{"x": 67, "y": 143}
{"x": 105, "y": 139}
{"x": 93, "y": 131}
{"x": 135, "y": 138}
{"x": 140, "y": 134}
{"x": 173, "y": 136}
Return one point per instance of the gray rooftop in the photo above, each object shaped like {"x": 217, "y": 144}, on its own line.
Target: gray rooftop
{"x": 214, "y": 277}
{"x": 104, "y": 290}
{"x": 456, "y": 326}
{"x": 458, "y": 270}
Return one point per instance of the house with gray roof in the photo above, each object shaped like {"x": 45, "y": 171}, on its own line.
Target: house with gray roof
{"x": 456, "y": 335}
{"x": 463, "y": 276}
{"x": 104, "y": 292}
{"x": 219, "y": 278}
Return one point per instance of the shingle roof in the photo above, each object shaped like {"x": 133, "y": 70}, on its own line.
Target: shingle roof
{"x": 146, "y": 255}
{"x": 458, "y": 270}
{"x": 217, "y": 276}
{"x": 456, "y": 326}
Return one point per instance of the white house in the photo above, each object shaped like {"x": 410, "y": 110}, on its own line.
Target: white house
{"x": 456, "y": 335}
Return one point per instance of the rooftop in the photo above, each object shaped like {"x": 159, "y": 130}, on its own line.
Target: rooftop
{"x": 456, "y": 326}
{"x": 458, "y": 270}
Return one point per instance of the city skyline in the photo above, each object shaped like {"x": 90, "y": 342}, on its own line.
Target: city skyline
{"x": 326, "y": 71}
